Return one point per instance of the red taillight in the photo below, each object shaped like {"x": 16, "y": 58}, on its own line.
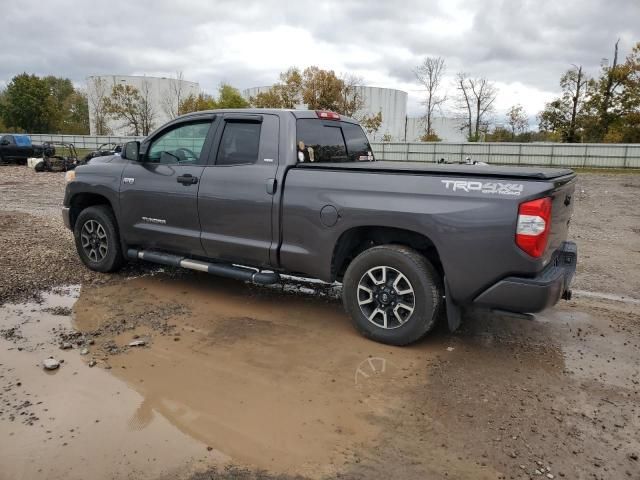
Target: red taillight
{"x": 534, "y": 223}
{"x": 326, "y": 115}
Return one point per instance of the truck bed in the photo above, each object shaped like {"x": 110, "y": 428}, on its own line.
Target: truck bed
{"x": 529, "y": 173}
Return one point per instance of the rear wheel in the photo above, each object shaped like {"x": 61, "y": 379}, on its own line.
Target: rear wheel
{"x": 97, "y": 239}
{"x": 393, "y": 294}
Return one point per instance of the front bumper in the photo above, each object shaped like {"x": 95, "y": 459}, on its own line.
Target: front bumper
{"x": 66, "y": 217}
{"x": 530, "y": 295}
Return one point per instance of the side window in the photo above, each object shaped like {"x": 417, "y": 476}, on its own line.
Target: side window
{"x": 239, "y": 144}
{"x": 180, "y": 145}
{"x": 358, "y": 146}
{"x": 320, "y": 142}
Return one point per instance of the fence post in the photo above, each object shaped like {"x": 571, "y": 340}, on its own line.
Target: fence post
{"x": 407, "y": 154}
{"x": 519, "y": 154}
{"x": 434, "y": 159}
{"x": 625, "y": 163}
{"x": 383, "y": 153}
{"x": 552, "y": 153}
{"x": 585, "y": 155}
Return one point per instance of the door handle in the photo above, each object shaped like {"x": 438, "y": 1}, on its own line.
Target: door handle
{"x": 272, "y": 186}
{"x": 187, "y": 179}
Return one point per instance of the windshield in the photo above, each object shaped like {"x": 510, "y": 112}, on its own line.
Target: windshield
{"x": 331, "y": 141}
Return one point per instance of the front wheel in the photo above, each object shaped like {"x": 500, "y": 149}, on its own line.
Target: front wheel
{"x": 97, "y": 239}
{"x": 393, "y": 294}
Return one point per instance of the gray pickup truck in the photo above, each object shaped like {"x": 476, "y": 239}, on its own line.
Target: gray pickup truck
{"x": 252, "y": 194}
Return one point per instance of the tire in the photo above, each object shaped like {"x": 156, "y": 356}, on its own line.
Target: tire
{"x": 411, "y": 271}
{"x": 98, "y": 240}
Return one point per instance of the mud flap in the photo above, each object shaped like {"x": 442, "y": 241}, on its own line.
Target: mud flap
{"x": 454, "y": 312}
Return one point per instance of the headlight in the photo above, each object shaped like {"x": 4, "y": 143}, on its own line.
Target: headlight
{"x": 70, "y": 176}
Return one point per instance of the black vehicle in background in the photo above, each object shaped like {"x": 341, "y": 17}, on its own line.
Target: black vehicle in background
{"x": 18, "y": 148}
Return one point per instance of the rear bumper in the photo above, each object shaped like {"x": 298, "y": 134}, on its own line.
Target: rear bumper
{"x": 66, "y": 217}
{"x": 530, "y": 295}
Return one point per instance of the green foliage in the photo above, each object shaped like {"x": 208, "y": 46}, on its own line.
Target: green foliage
{"x": 607, "y": 109}
{"x": 228, "y": 97}
{"x": 197, "y": 103}
{"x": 42, "y": 105}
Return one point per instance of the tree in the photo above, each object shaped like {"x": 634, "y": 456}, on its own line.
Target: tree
{"x": 475, "y": 102}
{"x": 26, "y": 105}
{"x": 566, "y": 114}
{"x": 174, "y": 96}
{"x": 76, "y": 120}
{"x": 124, "y": 104}
{"x": 230, "y": 97}
{"x": 625, "y": 127}
{"x": 351, "y": 99}
{"x": 371, "y": 123}
{"x": 146, "y": 108}
{"x": 322, "y": 89}
{"x": 269, "y": 99}
{"x": 197, "y": 103}
{"x": 517, "y": 120}
{"x": 318, "y": 89}
{"x": 430, "y": 137}
{"x": 429, "y": 73}
{"x": 289, "y": 89}
{"x": 97, "y": 95}
{"x": 133, "y": 106}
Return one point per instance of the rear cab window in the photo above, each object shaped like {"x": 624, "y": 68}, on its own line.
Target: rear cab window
{"x": 331, "y": 141}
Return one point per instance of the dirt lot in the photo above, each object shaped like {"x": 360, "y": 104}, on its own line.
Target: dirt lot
{"x": 237, "y": 381}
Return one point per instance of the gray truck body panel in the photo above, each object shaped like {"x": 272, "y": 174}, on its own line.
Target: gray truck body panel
{"x": 280, "y": 215}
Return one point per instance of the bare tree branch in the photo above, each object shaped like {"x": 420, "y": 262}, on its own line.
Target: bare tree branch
{"x": 429, "y": 73}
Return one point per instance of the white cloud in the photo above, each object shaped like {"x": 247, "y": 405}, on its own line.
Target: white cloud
{"x": 522, "y": 46}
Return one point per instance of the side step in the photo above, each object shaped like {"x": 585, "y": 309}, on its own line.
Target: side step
{"x": 223, "y": 270}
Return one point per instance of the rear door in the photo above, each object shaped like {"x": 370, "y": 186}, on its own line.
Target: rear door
{"x": 159, "y": 194}
{"x": 237, "y": 191}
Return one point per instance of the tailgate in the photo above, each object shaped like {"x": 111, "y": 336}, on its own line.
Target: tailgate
{"x": 561, "y": 211}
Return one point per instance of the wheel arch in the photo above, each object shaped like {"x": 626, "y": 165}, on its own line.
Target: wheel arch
{"x": 356, "y": 240}
{"x": 83, "y": 200}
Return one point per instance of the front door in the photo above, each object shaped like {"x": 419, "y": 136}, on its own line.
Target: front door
{"x": 237, "y": 192}
{"x": 159, "y": 194}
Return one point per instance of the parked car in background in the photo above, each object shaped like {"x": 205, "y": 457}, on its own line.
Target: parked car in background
{"x": 18, "y": 148}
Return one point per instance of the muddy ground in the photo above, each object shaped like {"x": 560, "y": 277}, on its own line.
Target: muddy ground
{"x": 237, "y": 381}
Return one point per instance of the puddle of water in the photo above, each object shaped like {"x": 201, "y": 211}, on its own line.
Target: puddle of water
{"x": 268, "y": 378}
{"x": 85, "y": 422}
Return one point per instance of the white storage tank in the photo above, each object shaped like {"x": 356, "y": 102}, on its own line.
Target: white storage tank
{"x": 160, "y": 89}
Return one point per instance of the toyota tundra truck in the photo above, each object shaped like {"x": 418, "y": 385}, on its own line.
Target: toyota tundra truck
{"x": 256, "y": 193}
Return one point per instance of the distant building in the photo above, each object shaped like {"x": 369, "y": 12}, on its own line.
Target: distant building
{"x": 159, "y": 91}
{"x": 396, "y": 126}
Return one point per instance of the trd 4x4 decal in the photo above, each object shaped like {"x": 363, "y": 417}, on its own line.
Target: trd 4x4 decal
{"x": 496, "y": 188}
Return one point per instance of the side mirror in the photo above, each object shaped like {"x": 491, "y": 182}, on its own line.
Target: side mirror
{"x": 4, "y": 142}
{"x": 131, "y": 151}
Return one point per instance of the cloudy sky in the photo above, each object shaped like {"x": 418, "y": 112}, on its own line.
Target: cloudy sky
{"x": 523, "y": 46}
